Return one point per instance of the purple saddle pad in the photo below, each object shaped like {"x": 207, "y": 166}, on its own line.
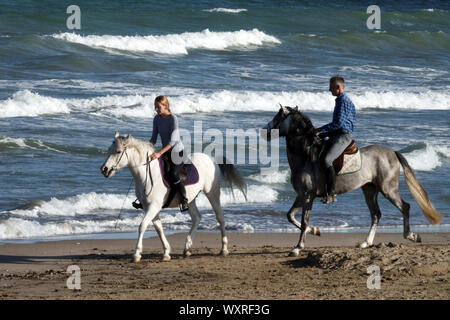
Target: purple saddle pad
{"x": 189, "y": 173}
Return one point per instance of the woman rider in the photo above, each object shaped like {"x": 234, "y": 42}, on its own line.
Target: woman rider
{"x": 165, "y": 123}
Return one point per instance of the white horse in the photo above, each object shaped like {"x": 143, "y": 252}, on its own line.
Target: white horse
{"x": 152, "y": 193}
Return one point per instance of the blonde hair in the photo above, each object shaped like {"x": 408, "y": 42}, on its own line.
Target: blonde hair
{"x": 163, "y": 100}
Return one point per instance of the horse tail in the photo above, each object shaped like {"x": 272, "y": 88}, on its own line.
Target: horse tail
{"x": 232, "y": 176}
{"x": 418, "y": 192}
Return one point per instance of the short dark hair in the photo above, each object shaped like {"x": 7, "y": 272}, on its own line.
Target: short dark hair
{"x": 337, "y": 79}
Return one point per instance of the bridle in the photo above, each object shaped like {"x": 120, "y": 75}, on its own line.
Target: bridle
{"x": 147, "y": 174}
{"x": 301, "y": 135}
{"x": 147, "y": 171}
{"x": 114, "y": 167}
{"x": 278, "y": 122}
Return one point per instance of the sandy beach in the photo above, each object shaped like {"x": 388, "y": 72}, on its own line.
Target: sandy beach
{"x": 258, "y": 267}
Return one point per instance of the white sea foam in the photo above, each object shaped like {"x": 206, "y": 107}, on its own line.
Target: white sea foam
{"x": 308, "y": 35}
{"x": 85, "y": 203}
{"x": 226, "y": 100}
{"x": 427, "y": 159}
{"x": 17, "y": 228}
{"x": 443, "y": 151}
{"x": 279, "y": 176}
{"x": 394, "y": 70}
{"x": 254, "y": 193}
{"x": 90, "y": 203}
{"x": 73, "y": 215}
{"x": 23, "y": 143}
{"x": 225, "y": 10}
{"x": 27, "y": 103}
{"x": 175, "y": 43}
{"x": 239, "y": 226}
{"x": 19, "y": 142}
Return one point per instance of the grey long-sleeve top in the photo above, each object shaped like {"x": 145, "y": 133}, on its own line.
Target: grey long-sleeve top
{"x": 167, "y": 128}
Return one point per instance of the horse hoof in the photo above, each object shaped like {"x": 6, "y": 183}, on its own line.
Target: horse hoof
{"x": 136, "y": 258}
{"x": 294, "y": 253}
{"x": 224, "y": 253}
{"x": 418, "y": 238}
{"x": 165, "y": 258}
{"x": 414, "y": 237}
{"x": 187, "y": 253}
{"x": 364, "y": 245}
{"x": 316, "y": 231}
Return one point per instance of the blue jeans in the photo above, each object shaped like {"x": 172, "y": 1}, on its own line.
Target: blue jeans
{"x": 334, "y": 147}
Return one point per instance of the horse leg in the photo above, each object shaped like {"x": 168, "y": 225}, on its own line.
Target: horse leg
{"x": 403, "y": 206}
{"x": 305, "y": 228}
{"x": 166, "y": 246}
{"x": 214, "y": 198}
{"x": 196, "y": 217}
{"x": 291, "y": 218}
{"x": 293, "y": 211}
{"x": 150, "y": 214}
{"x": 370, "y": 194}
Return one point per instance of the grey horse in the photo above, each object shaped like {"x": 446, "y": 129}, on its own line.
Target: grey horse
{"x": 380, "y": 172}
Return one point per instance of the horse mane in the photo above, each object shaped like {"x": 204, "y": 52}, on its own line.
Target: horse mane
{"x": 142, "y": 147}
{"x": 302, "y": 121}
{"x": 303, "y": 129}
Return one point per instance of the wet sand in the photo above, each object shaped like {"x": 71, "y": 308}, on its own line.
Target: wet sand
{"x": 258, "y": 267}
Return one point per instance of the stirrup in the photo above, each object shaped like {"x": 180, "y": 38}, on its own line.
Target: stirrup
{"x": 136, "y": 204}
{"x": 328, "y": 199}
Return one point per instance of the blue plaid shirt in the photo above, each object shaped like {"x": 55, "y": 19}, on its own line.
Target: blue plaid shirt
{"x": 344, "y": 116}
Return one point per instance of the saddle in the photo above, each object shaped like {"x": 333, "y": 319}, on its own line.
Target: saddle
{"x": 338, "y": 164}
{"x": 188, "y": 174}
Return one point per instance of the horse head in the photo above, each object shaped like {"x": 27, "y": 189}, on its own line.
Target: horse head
{"x": 117, "y": 156}
{"x": 281, "y": 122}
{"x": 298, "y": 128}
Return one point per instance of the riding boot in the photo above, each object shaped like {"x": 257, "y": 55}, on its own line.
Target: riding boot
{"x": 331, "y": 183}
{"x": 136, "y": 204}
{"x": 182, "y": 191}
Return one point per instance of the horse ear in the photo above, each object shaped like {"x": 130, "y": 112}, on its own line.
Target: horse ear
{"x": 116, "y": 135}
{"x": 285, "y": 110}
{"x": 296, "y": 108}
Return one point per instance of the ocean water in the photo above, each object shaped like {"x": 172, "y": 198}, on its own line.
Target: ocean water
{"x": 228, "y": 64}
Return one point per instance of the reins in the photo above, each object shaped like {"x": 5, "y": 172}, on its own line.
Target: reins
{"x": 114, "y": 167}
{"x": 123, "y": 204}
{"x": 147, "y": 174}
{"x": 315, "y": 141}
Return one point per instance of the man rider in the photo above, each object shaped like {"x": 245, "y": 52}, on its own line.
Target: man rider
{"x": 339, "y": 132}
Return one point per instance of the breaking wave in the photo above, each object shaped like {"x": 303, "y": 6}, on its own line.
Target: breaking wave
{"x": 26, "y": 103}
{"x": 174, "y": 43}
{"x": 98, "y": 213}
{"x": 427, "y": 157}
{"x": 225, "y": 10}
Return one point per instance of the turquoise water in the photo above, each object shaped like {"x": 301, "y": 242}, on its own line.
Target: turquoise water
{"x": 63, "y": 93}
